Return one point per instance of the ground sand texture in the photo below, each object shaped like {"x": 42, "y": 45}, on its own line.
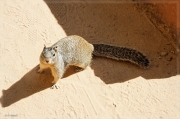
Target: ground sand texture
{"x": 107, "y": 89}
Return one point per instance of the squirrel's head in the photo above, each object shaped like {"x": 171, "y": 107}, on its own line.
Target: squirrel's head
{"x": 49, "y": 55}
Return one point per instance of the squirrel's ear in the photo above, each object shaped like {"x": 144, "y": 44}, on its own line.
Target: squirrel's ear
{"x": 55, "y": 48}
{"x": 44, "y": 46}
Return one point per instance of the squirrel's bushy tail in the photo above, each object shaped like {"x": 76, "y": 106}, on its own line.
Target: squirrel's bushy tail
{"x": 121, "y": 53}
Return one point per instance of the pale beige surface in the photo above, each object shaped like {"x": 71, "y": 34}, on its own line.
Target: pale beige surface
{"x": 106, "y": 90}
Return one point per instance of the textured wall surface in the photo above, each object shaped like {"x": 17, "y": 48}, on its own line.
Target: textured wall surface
{"x": 107, "y": 89}
{"x": 164, "y": 14}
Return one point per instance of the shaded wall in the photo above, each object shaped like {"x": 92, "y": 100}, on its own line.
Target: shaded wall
{"x": 164, "y": 15}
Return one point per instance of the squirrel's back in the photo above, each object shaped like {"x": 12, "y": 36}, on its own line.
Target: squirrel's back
{"x": 74, "y": 49}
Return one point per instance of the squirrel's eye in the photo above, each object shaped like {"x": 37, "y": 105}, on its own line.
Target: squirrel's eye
{"x": 53, "y": 54}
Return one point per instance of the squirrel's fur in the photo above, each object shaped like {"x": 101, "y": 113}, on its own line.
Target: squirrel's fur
{"x": 74, "y": 50}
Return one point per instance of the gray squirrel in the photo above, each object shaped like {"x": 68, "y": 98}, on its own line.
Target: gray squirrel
{"x": 75, "y": 50}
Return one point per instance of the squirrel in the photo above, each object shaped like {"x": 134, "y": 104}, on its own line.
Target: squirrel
{"x": 75, "y": 50}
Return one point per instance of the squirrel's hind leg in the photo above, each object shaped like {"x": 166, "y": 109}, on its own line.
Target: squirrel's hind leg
{"x": 80, "y": 67}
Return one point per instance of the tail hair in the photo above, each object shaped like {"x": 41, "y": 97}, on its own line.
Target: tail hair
{"x": 121, "y": 53}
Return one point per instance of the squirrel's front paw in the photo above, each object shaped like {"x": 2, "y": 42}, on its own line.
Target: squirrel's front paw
{"x": 54, "y": 86}
{"x": 78, "y": 69}
{"x": 39, "y": 70}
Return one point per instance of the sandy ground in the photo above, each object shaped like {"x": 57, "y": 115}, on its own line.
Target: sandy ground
{"x": 107, "y": 89}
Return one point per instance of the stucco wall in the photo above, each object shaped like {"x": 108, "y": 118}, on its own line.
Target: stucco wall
{"x": 107, "y": 89}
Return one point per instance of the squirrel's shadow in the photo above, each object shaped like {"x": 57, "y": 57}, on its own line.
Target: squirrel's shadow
{"x": 31, "y": 83}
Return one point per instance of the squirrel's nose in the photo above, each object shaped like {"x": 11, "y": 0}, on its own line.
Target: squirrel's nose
{"x": 47, "y": 61}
